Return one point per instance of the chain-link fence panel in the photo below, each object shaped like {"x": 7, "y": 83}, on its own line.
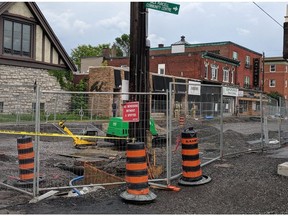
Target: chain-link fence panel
{"x": 90, "y": 134}
{"x": 17, "y": 155}
{"x": 197, "y": 109}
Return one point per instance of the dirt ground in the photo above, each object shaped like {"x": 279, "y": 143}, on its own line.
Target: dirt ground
{"x": 241, "y": 184}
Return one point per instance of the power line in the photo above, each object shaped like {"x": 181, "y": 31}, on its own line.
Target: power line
{"x": 268, "y": 15}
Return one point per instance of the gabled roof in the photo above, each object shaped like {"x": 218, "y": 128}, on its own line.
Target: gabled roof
{"x": 38, "y": 15}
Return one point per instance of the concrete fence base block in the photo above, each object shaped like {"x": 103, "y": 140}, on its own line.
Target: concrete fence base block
{"x": 283, "y": 169}
{"x": 43, "y": 196}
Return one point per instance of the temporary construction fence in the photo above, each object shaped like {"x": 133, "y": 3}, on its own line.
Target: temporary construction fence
{"x": 73, "y": 147}
{"x": 103, "y": 161}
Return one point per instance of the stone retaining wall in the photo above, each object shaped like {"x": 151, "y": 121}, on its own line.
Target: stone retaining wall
{"x": 16, "y": 97}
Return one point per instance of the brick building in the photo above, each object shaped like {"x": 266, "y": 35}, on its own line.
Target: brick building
{"x": 219, "y": 63}
{"x": 276, "y": 75}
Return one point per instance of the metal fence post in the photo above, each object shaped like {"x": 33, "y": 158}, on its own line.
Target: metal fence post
{"x": 169, "y": 149}
{"x": 55, "y": 107}
{"x": 262, "y": 120}
{"x": 37, "y": 130}
{"x": 221, "y": 123}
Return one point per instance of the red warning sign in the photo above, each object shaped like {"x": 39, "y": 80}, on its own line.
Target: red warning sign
{"x": 131, "y": 112}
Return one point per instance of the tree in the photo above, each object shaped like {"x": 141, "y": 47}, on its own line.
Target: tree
{"x": 276, "y": 95}
{"x": 86, "y": 51}
{"x": 122, "y": 45}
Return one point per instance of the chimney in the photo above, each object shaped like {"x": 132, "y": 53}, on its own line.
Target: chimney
{"x": 106, "y": 52}
{"x": 183, "y": 38}
{"x": 113, "y": 51}
{"x": 160, "y": 45}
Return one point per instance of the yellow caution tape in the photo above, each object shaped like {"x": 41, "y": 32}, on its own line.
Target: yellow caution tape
{"x": 56, "y": 135}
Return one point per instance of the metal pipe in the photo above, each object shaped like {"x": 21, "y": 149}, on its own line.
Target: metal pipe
{"x": 241, "y": 152}
{"x": 80, "y": 186}
{"x": 204, "y": 164}
{"x": 17, "y": 189}
{"x": 112, "y": 93}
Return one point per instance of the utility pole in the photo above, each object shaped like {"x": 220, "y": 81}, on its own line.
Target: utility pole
{"x": 139, "y": 69}
{"x": 263, "y": 71}
{"x": 285, "y": 36}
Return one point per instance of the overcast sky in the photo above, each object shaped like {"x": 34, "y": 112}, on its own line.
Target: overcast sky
{"x": 94, "y": 23}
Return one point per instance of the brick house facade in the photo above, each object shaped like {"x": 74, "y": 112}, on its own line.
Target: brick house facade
{"x": 276, "y": 76}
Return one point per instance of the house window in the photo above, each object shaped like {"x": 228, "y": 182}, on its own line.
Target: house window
{"x": 214, "y": 71}
{"x": 247, "y": 82}
{"x": 272, "y": 68}
{"x": 235, "y": 55}
{"x": 206, "y": 71}
{"x": 225, "y": 74}
{"x": 247, "y": 62}
{"x": 17, "y": 38}
{"x": 232, "y": 75}
{"x": 161, "y": 68}
{"x": 272, "y": 83}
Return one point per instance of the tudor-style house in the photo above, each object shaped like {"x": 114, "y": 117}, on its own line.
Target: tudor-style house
{"x": 29, "y": 49}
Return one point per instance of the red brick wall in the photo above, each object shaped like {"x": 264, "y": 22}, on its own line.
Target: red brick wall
{"x": 117, "y": 62}
{"x": 280, "y": 76}
{"x": 191, "y": 62}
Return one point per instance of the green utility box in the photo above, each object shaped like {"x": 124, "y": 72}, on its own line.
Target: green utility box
{"x": 120, "y": 129}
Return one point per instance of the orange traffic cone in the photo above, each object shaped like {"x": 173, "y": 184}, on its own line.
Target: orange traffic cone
{"x": 137, "y": 174}
{"x": 191, "y": 165}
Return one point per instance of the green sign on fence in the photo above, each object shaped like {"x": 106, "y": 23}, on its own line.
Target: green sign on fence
{"x": 163, "y": 6}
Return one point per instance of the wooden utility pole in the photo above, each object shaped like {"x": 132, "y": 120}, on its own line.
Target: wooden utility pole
{"x": 139, "y": 69}
{"x": 285, "y": 36}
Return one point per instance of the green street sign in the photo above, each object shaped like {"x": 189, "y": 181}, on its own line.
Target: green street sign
{"x": 163, "y": 6}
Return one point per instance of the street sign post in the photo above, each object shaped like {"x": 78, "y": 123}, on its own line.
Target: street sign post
{"x": 163, "y": 6}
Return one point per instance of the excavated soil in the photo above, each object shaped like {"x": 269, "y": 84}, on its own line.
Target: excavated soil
{"x": 244, "y": 183}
